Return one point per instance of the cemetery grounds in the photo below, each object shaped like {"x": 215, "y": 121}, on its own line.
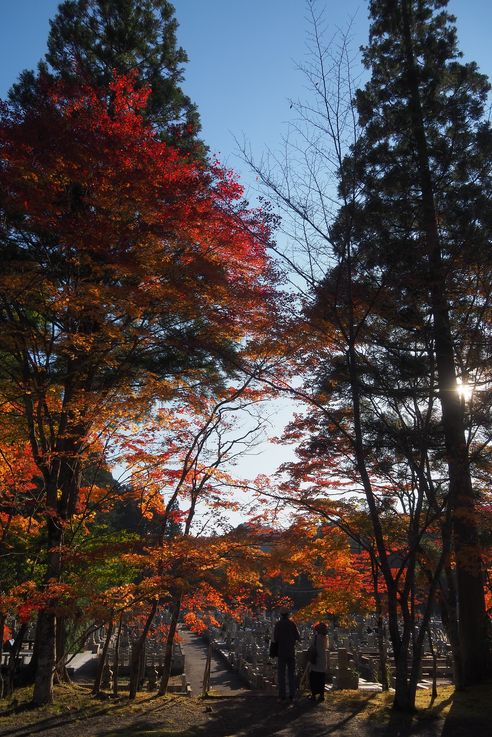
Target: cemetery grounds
{"x": 231, "y": 710}
{"x": 248, "y": 714}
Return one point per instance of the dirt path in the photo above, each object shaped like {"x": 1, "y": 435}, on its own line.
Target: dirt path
{"x": 254, "y": 714}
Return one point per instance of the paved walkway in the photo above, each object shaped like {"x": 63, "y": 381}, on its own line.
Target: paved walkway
{"x": 82, "y": 667}
{"x": 222, "y": 678}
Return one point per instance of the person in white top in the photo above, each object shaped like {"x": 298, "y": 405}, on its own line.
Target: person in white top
{"x": 317, "y": 671}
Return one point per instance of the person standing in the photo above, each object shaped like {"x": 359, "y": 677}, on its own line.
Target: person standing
{"x": 286, "y": 634}
{"x": 317, "y": 670}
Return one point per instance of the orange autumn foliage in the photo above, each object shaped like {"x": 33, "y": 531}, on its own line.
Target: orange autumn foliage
{"x": 159, "y": 264}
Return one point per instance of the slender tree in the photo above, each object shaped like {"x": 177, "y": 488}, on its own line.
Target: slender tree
{"x": 367, "y": 341}
{"x": 423, "y": 170}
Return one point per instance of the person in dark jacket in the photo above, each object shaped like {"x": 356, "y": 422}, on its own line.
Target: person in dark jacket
{"x": 286, "y": 634}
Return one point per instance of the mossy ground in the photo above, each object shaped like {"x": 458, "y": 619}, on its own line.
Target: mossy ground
{"x": 76, "y": 713}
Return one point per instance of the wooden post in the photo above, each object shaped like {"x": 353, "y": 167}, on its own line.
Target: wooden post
{"x": 206, "y": 674}
{"x": 434, "y": 664}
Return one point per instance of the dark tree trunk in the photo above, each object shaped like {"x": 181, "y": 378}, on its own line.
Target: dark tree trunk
{"x": 16, "y": 647}
{"x": 29, "y": 672}
{"x": 403, "y": 696}
{"x": 64, "y": 475}
{"x": 137, "y": 649}
{"x": 405, "y": 690}
{"x": 2, "y": 635}
{"x": 449, "y": 617}
{"x": 43, "y": 684}
{"x": 141, "y": 665}
{"x": 206, "y": 672}
{"x": 46, "y": 630}
{"x": 404, "y": 699}
{"x": 116, "y": 661}
{"x": 383, "y": 654}
{"x": 102, "y": 660}
{"x": 382, "y": 651}
{"x": 168, "y": 656}
{"x": 434, "y": 664}
{"x": 61, "y": 672}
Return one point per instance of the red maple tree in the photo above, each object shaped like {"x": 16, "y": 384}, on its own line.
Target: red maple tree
{"x": 127, "y": 266}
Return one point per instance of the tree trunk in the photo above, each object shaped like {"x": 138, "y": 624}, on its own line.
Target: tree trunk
{"x": 116, "y": 660}
{"x": 473, "y": 624}
{"x": 3, "y": 619}
{"x": 43, "y": 684}
{"x": 61, "y": 656}
{"x": 434, "y": 664}
{"x": 405, "y": 690}
{"x": 64, "y": 476}
{"x": 18, "y": 640}
{"x": 449, "y": 617}
{"x": 382, "y": 652}
{"x": 102, "y": 660}
{"x": 29, "y": 672}
{"x": 46, "y": 631}
{"x": 403, "y": 700}
{"x": 166, "y": 668}
{"x": 141, "y": 666}
{"x": 137, "y": 649}
{"x": 403, "y": 696}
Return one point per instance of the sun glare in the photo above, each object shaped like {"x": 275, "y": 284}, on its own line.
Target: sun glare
{"x": 464, "y": 389}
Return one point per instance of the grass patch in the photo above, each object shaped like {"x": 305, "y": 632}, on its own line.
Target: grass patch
{"x": 472, "y": 705}
{"x": 19, "y": 711}
{"x": 75, "y": 703}
{"x": 379, "y": 706}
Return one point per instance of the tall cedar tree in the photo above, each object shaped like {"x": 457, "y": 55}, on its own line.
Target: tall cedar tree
{"x": 126, "y": 267}
{"x": 423, "y": 169}
{"x": 93, "y": 38}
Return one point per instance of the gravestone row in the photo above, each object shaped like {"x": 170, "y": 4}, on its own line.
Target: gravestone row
{"x": 353, "y": 653}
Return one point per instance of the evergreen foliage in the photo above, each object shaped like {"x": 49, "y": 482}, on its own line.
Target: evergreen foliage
{"x": 417, "y": 234}
{"x": 94, "y": 38}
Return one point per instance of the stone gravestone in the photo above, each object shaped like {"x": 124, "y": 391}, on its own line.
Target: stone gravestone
{"x": 344, "y": 677}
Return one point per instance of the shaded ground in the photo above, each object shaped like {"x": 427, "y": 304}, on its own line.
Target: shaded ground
{"x": 234, "y": 711}
{"x": 248, "y": 714}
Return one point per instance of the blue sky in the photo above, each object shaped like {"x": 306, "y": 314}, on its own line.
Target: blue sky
{"x": 243, "y": 55}
{"x": 242, "y": 70}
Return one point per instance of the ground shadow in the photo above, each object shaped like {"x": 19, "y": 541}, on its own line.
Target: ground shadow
{"x": 255, "y": 714}
{"x": 64, "y": 720}
{"x": 470, "y": 713}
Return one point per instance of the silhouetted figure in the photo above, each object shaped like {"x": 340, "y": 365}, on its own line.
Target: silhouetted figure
{"x": 286, "y": 634}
